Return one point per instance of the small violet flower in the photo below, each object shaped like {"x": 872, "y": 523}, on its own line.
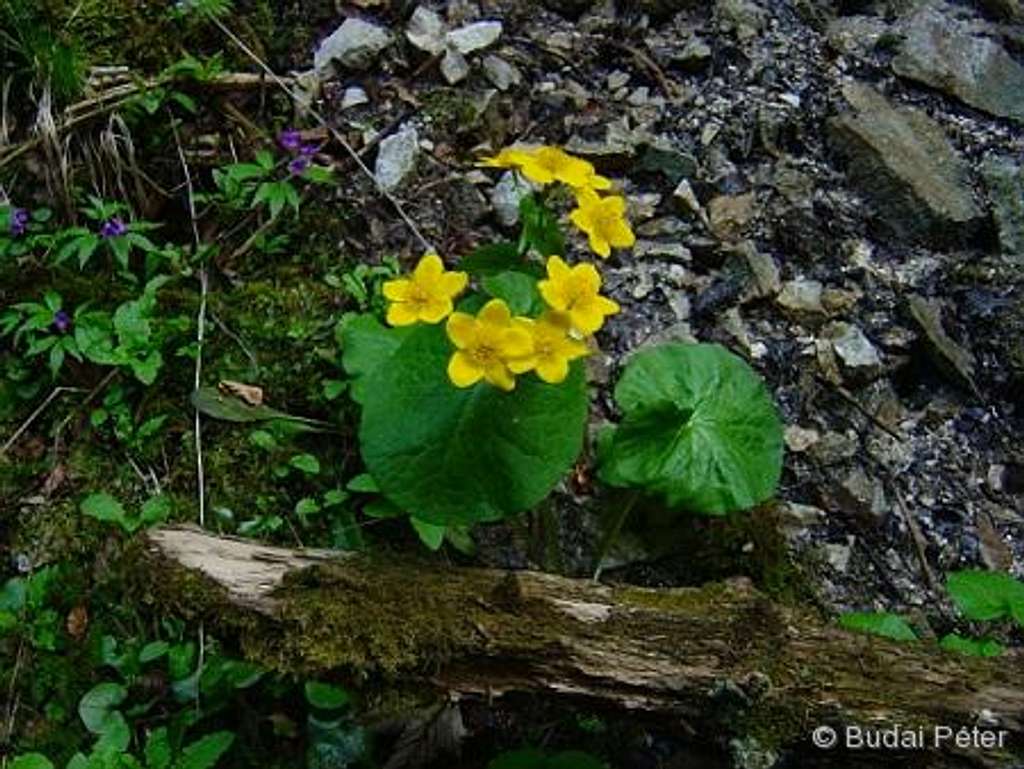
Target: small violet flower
{"x": 308, "y": 150}
{"x": 113, "y": 228}
{"x": 61, "y": 322}
{"x": 290, "y": 139}
{"x": 298, "y": 166}
{"x": 19, "y": 222}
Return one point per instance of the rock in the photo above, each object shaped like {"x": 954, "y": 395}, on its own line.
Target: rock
{"x": 742, "y": 16}
{"x": 475, "y": 36}
{"x": 396, "y": 158}
{"x": 694, "y": 56}
{"x": 686, "y": 199}
{"x": 950, "y": 56}
{"x": 1005, "y": 183}
{"x": 355, "y": 44}
{"x": 856, "y": 35}
{"x": 454, "y": 66}
{"x": 1005, "y": 10}
{"x": 801, "y": 296}
{"x": 947, "y": 354}
{"x": 833, "y": 448}
{"x": 799, "y": 439}
{"x": 353, "y": 97}
{"x": 763, "y": 269}
{"x": 729, "y": 215}
{"x": 855, "y": 352}
{"x": 862, "y": 495}
{"x": 502, "y": 74}
{"x": 505, "y": 198}
{"x": 837, "y": 556}
{"x": 426, "y": 30}
{"x": 617, "y": 80}
{"x": 665, "y": 250}
{"x": 902, "y": 160}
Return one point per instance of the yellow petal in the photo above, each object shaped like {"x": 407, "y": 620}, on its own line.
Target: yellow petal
{"x": 557, "y": 268}
{"x": 401, "y": 314}
{"x": 597, "y": 182}
{"x": 435, "y": 310}
{"x": 515, "y": 343}
{"x": 463, "y": 371}
{"x": 599, "y": 245}
{"x": 553, "y": 294}
{"x": 397, "y": 290}
{"x": 587, "y": 198}
{"x": 499, "y": 376}
{"x": 606, "y": 306}
{"x": 553, "y": 370}
{"x": 582, "y": 219}
{"x": 453, "y": 283}
{"x": 614, "y": 205}
{"x": 573, "y": 349}
{"x": 588, "y": 277}
{"x": 586, "y": 319}
{"x": 429, "y": 269}
{"x": 495, "y": 312}
{"x": 461, "y": 329}
{"x": 522, "y": 365}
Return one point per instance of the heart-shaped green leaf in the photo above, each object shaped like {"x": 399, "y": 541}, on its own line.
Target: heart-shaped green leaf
{"x": 700, "y": 429}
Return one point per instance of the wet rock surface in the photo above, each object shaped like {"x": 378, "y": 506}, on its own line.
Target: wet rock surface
{"x": 831, "y": 190}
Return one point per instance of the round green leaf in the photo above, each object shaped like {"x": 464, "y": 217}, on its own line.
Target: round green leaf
{"x": 878, "y": 623}
{"x": 456, "y": 456}
{"x": 325, "y": 696}
{"x": 104, "y": 507}
{"x": 981, "y": 647}
{"x": 700, "y": 429}
{"x": 98, "y": 707}
{"x": 985, "y": 595}
{"x": 31, "y": 761}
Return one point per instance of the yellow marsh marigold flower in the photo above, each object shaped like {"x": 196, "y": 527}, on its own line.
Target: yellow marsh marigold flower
{"x": 574, "y": 291}
{"x": 485, "y": 345}
{"x": 426, "y": 295}
{"x": 553, "y": 348}
{"x": 603, "y": 220}
{"x": 545, "y": 165}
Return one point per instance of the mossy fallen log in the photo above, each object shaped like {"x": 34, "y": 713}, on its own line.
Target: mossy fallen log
{"x": 719, "y": 656}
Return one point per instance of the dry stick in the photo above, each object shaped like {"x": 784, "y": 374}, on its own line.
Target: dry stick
{"x": 916, "y": 536}
{"x": 331, "y": 129}
{"x": 35, "y": 415}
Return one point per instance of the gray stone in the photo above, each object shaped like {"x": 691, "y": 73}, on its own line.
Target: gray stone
{"x": 948, "y": 355}
{"x": 854, "y": 350}
{"x": 730, "y": 214}
{"x": 505, "y": 198}
{"x": 857, "y": 35}
{"x": 353, "y": 97}
{"x": 475, "y": 36}
{"x": 862, "y": 495}
{"x": 901, "y": 159}
{"x": 454, "y": 66}
{"x": 426, "y": 30}
{"x": 801, "y": 296}
{"x": 355, "y": 44}
{"x": 799, "y": 439}
{"x": 833, "y": 448}
{"x": 695, "y": 55}
{"x": 1005, "y": 183}
{"x": 501, "y": 73}
{"x": 744, "y": 17}
{"x": 950, "y": 56}
{"x": 763, "y": 268}
{"x": 396, "y": 158}
{"x": 1005, "y": 10}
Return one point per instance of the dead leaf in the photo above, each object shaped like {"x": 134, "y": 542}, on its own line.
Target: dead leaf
{"x": 54, "y": 480}
{"x": 78, "y": 622}
{"x": 251, "y": 394}
{"x": 995, "y": 553}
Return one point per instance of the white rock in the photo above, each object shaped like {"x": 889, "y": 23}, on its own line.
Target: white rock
{"x": 353, "y": 97}
{"x": 505, "y": 198}
{"x": 426, "y": 30}
{"x": 502, "y": 74}
{"x": 396, "y": 159}
{"x": 801, "y": 296}
{"x": 853, "y": 348}
{"x": 475, "y": 36}
{"x": 454, "y": 66}
{"x": 355, "y": 44}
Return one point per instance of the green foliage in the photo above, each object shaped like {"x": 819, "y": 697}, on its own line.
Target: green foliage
{"x": 326, "y": 696}
{"x": 458, "y": 456}
{"x": 699, "y": 428}
{"x": 878, "y": 623}
{"x": 492, "y": 259}
{"x": 540, "y": 230}
{"x": 25, "y": 609}
{"x": 31, "y": 761}
{"x": 972, "y": 647}
{"x": 987, "y": 595}
{"x": 38, "y": 50}
{"x": 104, "y": 507}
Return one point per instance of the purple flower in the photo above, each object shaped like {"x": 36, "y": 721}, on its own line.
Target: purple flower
{"x": 19, "y": 222}
{"x": 298, "y": 166}
{"x": 113, "y": 228}
{"x": 290, "y": 139}
{"x": 309, "y": 150}
{"x": 61, "y": 322}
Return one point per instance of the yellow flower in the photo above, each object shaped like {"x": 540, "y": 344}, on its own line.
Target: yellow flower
{"x": 574, "y": 291}
{"x": 553, "y": 348}
{"x": 603, "y": 220}
{"x": 426, "y": 295}
{"x": 485, "y": 345}
{"x": 545, "y": 165}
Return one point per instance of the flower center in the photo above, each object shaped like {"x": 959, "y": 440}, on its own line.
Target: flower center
{"x": 484, "y": 354}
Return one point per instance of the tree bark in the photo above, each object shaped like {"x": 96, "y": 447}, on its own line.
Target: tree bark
{"x": 722, "y": 656}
